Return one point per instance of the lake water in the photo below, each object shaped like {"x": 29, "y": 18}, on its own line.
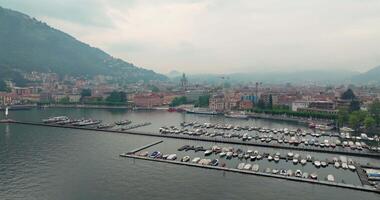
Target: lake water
{"x": 55, "y": 163}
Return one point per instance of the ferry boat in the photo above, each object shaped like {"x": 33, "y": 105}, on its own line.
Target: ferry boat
{"x": 240, "y": 115}
{"x": 201, "y": 111}
{"x": 55, "y": 119}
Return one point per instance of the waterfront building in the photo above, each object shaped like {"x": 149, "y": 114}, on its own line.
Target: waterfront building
{"x": 147, "y": 100}
{"x": 216, "y": 102}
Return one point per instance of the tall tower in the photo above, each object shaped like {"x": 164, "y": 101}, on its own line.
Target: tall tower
{"x": 183, "y": 81}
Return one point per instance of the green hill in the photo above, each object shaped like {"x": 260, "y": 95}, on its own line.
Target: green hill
{"x": 27, "y": 44}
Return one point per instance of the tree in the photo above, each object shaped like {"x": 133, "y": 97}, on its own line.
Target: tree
{"x": 354, "y": 105}
{"x": 3, "y": 86}
{"x": 374, "y": 110}
{"x": 261, "y": 104}
{"x": 348, "y": 95}
{"x": 64, "y": 100}
{"x": 270, "y": 103}
{"x": 343, "y": 116}
{"x": 369, "y": 122}
{"x": 85, "y": 93}
{"x": 203, "y": 101}
{"x": 115, "y": 96}
{"x": 178, "y": 101}
{"x": 354, "y": 121}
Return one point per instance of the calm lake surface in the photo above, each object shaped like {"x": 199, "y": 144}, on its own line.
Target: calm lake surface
{"x": 56, "y": 163}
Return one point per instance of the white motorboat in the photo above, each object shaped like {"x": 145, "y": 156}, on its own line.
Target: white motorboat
{"x": 298, "y": 173}
{"x": 352, "y": 167}
{"x": 185, "y": 159}
{"x": 208, "y": 152}
{"x": 222, "y": 154}
{"x": 330, "y": 178}
{"x": 295, "y": 160}
{"x": 241, "y": 165}
{"x": 276, "y": 158}
{"x": 255, "y": 167}
{"x": 344, "y": 165}
{"x": 172, "y": 157}
{"x": 336, "y": 164}
{"x": 314, "y": 176}
{"x": 303, "y": 161}
{"x": 247, "y": 166}
{"x": 270, "y": 158}
{"x": 317, "y": 163}
{"x": 196, "y": 160}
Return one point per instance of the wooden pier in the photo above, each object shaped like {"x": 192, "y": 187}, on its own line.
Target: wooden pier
{"x": 362, "y": 175}
{"x": 143, "y": 147}
{"x": 250, "y": 172}
{"x": 214, "y": 140}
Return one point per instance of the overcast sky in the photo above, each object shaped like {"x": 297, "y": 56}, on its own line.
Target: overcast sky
{"x": 221, "y": 36}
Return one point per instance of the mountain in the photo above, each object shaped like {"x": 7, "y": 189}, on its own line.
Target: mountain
{"x": 279, "y": 77}
{"x": 372, "y": 76}
{"x": 27, "y": 44}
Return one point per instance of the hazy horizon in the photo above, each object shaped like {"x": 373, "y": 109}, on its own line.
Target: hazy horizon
{"x": 221, "y": 37}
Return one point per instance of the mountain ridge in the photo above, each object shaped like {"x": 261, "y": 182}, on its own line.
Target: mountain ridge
{"x": 31, "y": 45}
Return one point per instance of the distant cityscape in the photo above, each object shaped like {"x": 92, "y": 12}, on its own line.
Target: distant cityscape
{"x": 308, "y": 101}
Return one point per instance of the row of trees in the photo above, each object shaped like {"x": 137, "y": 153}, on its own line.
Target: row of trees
{"x": 357, "y": 119}
{"x": 203, "y": 101}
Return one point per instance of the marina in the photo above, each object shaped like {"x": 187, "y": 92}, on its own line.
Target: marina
{"x": 369, "y": 153}
{"x": 249, "y": 170}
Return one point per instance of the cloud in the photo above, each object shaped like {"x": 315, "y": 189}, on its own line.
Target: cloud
{"x": 221, "y": 35}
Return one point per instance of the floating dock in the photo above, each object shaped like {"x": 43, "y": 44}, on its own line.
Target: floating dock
{"x": 250, "y": 172}
{"x": 215, "y": 140}
{"x": 143, "y": 147}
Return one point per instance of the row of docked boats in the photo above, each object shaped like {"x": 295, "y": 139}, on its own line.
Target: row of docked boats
{"x": 195, "y": 160}
{"x": 297, "y": 173}
{"x": 269, "y": 138}
{"x": 230, "y": 152}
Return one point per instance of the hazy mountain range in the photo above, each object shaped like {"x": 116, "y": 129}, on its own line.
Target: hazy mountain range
{"x": 27, "y": 44}
{"x": 306, "y": 77}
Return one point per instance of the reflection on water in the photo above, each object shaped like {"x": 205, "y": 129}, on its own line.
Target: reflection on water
{"x": 55, "y": 163}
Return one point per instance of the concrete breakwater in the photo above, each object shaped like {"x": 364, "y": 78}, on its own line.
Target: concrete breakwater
{"x": 216, "y": 140}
